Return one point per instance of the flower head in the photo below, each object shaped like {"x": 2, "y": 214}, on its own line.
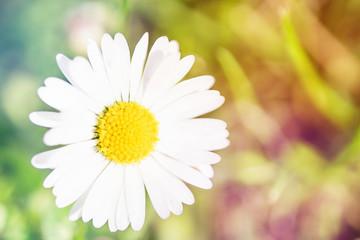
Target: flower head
{"x": 126, "y": 124}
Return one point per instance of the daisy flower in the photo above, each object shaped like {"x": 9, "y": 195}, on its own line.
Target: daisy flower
{"x": 126, "y": 125}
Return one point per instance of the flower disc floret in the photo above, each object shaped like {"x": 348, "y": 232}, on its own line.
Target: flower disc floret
{"x": 126, "y": 132}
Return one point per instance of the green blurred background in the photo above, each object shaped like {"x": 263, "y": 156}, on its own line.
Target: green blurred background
{"x": 290, "y": 72}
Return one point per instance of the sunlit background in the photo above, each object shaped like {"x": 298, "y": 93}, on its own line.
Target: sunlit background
{"x": 290, "y": 73}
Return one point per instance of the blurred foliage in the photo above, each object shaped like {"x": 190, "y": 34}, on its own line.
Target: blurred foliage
{"x": 290, "y": 72}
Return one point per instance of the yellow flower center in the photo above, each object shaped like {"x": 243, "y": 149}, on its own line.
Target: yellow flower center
{"x": 126, "y": 132}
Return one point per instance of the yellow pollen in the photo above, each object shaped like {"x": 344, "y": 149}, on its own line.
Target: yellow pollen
{"x": 126, "y": 132}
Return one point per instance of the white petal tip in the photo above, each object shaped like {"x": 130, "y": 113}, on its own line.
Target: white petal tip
{"x": 163, "y": 37}
{"x": 177, "y": 212}
{"x": 73, "y": 217}
{"x": 33, "y": 117}
{"x": 211, "y": 80}
{"x": 117, "y": 35}
{"x": 60, "y": 56}
{"x": 48, "y": 182}
{"x": 215, "y": 158}
{"x": 227, "y": 143}
{"x": 35, "y": 162}
{"x": 40, "y": 91}
{"x": 190, "y": 202}
{"x": 222, "y": 100}
{"x": 144, "y": 41}
{"x": 191, "y": 58}
{"x": 48, "y": 141}
{"x": 123, "y": 227}
{"x": 91, "y": 42}
{"x": 174, "y": 46}
{"x": 50, "y": 80}
{"x": 98, "y": 224}
{"x": 209, "y": 185}
{"x": 145, "y": 35}
{"x": 106, "y": 35}
{"x": 164, "y": 216}
{"x": 60, "y": 203}
{"x": 136, "y": 227}
{"x": 85, "y": 218}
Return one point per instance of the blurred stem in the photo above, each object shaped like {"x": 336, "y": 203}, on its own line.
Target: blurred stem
{"x": 351, "y": 151}
{"x": 326, "y": 99}
{"x": 80, "y": 233}
{"x": 250, "y": 113}
{"x": 125, "y": 15}
{"x": 239, "y": 84}
{"x": 278, "y": 186}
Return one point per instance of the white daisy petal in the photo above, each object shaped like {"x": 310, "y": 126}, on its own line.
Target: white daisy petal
{"x": 104, "y": 195}
{"x": 165, "y": 191}
{"x": 169, "y": 72}
{"x": 210, "y": 141}
{"x": 52, "y": 96}
{"x": 96, "y": 198}
{"x": 191, "y": 106}
{"x": 79, "y": 117}
{"x": 77, "y": 97}
{"x": 173, "y": 46}
{"x": 177, "y": 73}
{"x": 122, "y": 216}
{"x": 150, "y": 68}
{"x": 118, "y": 219}
{"x": 112, "y": 223}
{"x": 157, "y": 54}
{"x": 182, "y": 191}
{"x": 68, "y": 134}
{"x": 101, "y": 76}
{"x": 161, "y": 44}
{"x": 207, "y": 170}
{"x": 187, "y": 154}
{"x": 123, "y": 53}
{"x": 137, "y": 65}
{"x": 196, "y": 126}
{"x": 174, "y": 203}
{"x": 70, "y": 187}
{"x": 179, "y": 192}
{"x": 68, "y": 117}
{"x": 85, "y": 80}
{"x": 45, "y": 119}
{"x": 56, "y": 157}
{"x": 163, "y": 71}
{"x": 202, "y": 124}
{"x": 63, "y": 62}
{"x": 182, "y": 89}
{"x": 76, "y": 209}
{"x": 154, "y": 188}
{"x": 112, "y": 60}
{"x": 183, "y": 68}
{"x": 58, "y": 173}
{"x": 128, "y": 124}
{"x": 135, "y": 196}
{"x": 65, "y": 159}
{"x": 186, "y": 173}
{"x": 45, "y": 160}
